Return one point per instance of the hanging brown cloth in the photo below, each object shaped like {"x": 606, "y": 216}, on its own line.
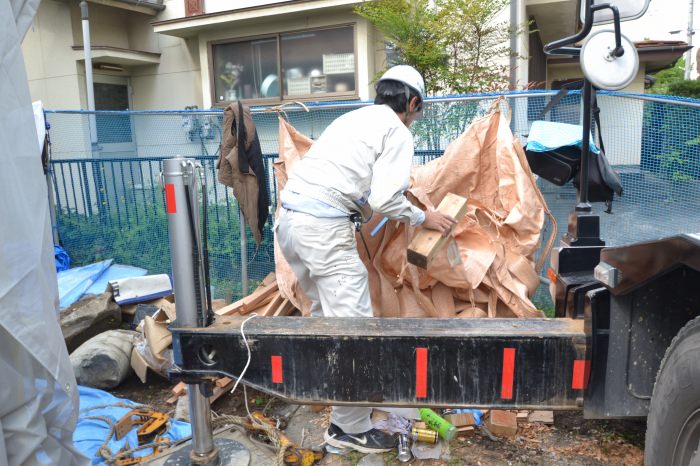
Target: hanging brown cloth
{"x": 241, "y": 166}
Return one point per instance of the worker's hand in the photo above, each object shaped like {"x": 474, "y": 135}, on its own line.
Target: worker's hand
{"x": 439, "y": 222}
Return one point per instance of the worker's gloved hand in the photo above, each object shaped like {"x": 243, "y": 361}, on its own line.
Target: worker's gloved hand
{"x": 439, "y": 222}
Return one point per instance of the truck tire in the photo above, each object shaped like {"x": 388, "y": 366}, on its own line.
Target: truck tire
{"x": 673, "y": 425}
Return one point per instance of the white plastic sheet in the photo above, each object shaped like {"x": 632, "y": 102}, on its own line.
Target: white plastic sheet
{"x": 38, "y": 395}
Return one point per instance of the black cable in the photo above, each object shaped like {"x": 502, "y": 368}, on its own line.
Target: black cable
{"x": 362, "y": 237}
{"x": 205, "y": 256}
{"x": 195, "y": 259}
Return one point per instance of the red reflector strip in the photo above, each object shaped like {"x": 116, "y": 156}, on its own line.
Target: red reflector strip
{"x": 276, "y": 369}
{"x": 421, "y": 372}
{"x": 552, "y": 275}
{"x": 582, "y": 371}
{"x": 508, "y": 371}
{"x": 170, "y": 206}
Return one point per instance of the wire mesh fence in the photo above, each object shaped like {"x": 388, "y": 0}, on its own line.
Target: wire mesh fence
{"x": 109, "y": 201}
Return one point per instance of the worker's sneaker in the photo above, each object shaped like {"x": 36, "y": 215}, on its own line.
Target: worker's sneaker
{"x": 372, "y": 441}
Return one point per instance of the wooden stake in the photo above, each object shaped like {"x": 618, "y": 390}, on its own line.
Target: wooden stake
{"x": 427, "y": 243}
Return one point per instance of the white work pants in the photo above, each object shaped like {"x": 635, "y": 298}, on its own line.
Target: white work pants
{"x": 322, "y": 252}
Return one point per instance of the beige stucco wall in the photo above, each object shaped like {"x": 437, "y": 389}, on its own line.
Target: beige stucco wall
{"x": 51, "y": 71}
{"x": 56, "y": 71}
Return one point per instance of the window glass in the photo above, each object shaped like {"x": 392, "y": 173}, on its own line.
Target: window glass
{"x": 317, "y": 62}
{"x": 246, "y": 70}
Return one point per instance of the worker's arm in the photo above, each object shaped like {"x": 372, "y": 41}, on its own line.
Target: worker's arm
{"x": 390, "y": 178}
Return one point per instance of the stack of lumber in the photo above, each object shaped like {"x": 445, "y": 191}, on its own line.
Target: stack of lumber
{"x": 266, "y": 301}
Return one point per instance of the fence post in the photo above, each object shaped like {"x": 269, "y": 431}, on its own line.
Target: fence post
{"x": 244, "y": 253}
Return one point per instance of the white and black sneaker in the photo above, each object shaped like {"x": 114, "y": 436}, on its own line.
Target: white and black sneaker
{"x": 372, "y": 441}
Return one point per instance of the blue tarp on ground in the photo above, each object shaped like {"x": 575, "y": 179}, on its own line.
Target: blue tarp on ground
{"x": 91, "y": 433}
{"x": 91, "y": 279}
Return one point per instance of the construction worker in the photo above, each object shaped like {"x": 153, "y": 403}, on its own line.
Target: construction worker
{"x": 361, "y": 163}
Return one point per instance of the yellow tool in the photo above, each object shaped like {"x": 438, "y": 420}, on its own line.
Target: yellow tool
{"x": 151, "y": 425}
{"x": 294, "y": 455}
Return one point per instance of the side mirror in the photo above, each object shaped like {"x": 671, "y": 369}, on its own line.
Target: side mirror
{"x": 629, "y": 10}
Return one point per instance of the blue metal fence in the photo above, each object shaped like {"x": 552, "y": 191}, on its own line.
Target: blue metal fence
{"x": 110, "y": 204}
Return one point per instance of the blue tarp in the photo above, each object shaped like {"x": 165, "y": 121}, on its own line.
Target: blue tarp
{"x": 73, "y": 283}
{"x": 62, "y": 258}
{"x": 91, "y": 433}
{"x": 115, "y": 272}
{"x": 548, "y": 135}
{"x": 91, "y": 279}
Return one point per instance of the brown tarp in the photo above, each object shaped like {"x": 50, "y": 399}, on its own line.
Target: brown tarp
{"x": 493, "y": 274}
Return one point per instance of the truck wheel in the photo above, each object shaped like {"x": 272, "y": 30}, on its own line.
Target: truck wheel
{"x": 673, "y": 425}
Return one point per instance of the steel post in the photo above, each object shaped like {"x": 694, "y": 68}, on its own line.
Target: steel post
{"x": 179, "y": 177}
{"x": 244, "y": 252}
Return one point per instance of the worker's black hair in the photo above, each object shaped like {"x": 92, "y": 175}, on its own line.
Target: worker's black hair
{"x": 393, "y": 94}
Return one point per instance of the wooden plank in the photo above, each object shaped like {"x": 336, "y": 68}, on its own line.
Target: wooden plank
{"x": 218, "y": 392}
{"x": 223, "y": 381}
{"x": 273, "y": 306}
{"x": 250, "y": 302}
{"x": 179, "y": 389}
{"x": 271, "y": 278}
{"x": 522, "y": 417}
{"x": 284, "y": 309}
{"x": 542, "y": 417}
{"x": 426, "y": 244}
{"x": 502, "y": 423}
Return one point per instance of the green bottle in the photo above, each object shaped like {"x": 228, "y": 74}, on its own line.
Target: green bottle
{"x": 433, "y": 420}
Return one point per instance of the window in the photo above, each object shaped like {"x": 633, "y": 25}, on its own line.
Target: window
{"x": 246, "y": 70}
{"x": 318, "y": 62}
{"x": 313, "y": 63}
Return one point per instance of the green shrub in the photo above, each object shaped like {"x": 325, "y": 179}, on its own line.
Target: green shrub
{"x": 685, "y": 89}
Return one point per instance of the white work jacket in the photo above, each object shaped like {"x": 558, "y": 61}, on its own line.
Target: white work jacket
{"x": 363, "y": 156}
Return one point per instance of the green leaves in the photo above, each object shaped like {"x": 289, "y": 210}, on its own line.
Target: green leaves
{"x": 458, "y": 45}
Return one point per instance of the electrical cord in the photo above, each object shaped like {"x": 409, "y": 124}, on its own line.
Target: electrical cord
{"x": 245, "y": 368}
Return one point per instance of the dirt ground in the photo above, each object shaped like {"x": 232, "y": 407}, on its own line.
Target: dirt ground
{"x": 572, "y": 440}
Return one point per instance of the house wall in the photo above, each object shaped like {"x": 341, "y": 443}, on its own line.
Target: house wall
{"x": 52, "y": 71}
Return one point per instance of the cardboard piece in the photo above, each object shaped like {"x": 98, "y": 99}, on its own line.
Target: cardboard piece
{"x": 139, "y": 364}
{"x": 158, "y": 337}
{"x": 460, "y": 419}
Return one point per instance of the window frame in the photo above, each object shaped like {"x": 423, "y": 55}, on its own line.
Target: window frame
{"x": 325, "y": 96}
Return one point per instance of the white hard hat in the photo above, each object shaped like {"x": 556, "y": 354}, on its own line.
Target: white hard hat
{"x": 407, "y": 75}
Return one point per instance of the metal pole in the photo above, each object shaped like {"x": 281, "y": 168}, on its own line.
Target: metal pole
{"x": 244, "y": 252}
{"x": 178, "y": 173}
{"x": 89, "y": 86}
{"x": 583, "y": 205}
{"x": 516, "y": 22}
{"x": 689, "y": 59}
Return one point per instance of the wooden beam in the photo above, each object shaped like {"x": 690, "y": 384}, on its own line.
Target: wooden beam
{"x": 284, "y": 309}
{"x": 273, "y": 306}
{"x": 426, "y": 244}
{"x": 271, "y": 278}
{"x": 250, "y": 302}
